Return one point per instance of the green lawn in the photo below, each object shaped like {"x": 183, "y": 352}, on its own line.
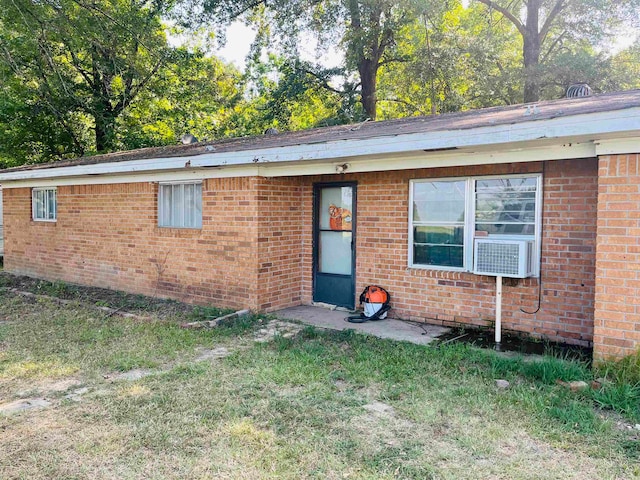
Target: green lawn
{"x": 289, "y": 408}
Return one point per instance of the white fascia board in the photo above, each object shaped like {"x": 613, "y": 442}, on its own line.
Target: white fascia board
{"x": 618, "y": 146}
{"x": 138, "y": 177}
{"x": 413, "y": 160}
{"x": 372, "y": 163}
{"x": 595, "y": 125}
{"x": 579, "y": 127}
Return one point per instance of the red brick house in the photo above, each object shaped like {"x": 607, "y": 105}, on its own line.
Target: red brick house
{"x": 287, "y": 219}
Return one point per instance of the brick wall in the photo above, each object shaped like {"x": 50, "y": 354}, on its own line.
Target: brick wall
{"x": 107, "y": 236}
{"x": 617, "y": 308}
{"x": 257, "y": 237}
{"x": 280, "y": 242}
{"x": 568, "y": 257}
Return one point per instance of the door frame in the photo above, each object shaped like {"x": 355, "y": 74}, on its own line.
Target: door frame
{"x": 316, "y": 234}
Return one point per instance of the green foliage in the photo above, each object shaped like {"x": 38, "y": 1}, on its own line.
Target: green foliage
{"x": 548, "y": 27}
{"x": 620, "y": 397}
{"x": 368, "y": 32}
{"x": 621, "y": 390}
{"x": 78, "y": 78}
{"x": 624, "y": 70}
{"x": 291, "y": 94}
{"x": 240, "y": 325}
{"x": 625, "y": 370}
{"x": 57, "y": 289}
{"x": 193, "y": 94}
{"x": 75, "y": 60}
{"x": 200, "y": 314}
{"x": 547, "y": 370}
{"x": 29, "y": 129}
{"x": 456, "y": 62}
{"x": 575, "y": 414}
{"x": 230, "y": 327}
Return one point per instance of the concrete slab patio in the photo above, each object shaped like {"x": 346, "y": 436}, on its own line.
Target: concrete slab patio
{"x": 421, "y": 334}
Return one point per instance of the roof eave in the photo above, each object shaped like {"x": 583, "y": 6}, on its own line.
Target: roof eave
{"x": 593, "y": 126}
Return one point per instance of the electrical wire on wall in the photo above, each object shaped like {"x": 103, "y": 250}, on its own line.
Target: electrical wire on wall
{"x": 544, "y": 176}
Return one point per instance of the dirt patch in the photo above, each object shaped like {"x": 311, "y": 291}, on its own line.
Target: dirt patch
{"x": 379, "y": 427}
{"x": 277, "y": 328}
{"x": 212, "y": 354}
{"x": 131, "y": 375}
{"x": 46, "y": 388}
{"x": 379, "y": 408}
{"x": 101, "y": 297}
{"x": 23, "y": 405}
{"x": 61, "y": 385}
{"x": 77, "y": 395}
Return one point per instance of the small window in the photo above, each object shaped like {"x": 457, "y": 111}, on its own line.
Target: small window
{"x": 506, "y": 206}
{"x": 180, "y": 205}
{"x": 438, "y": 223}
{"x": 44, "y": 204}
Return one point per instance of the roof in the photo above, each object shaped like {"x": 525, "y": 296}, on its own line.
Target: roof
{"x": 450, "y": 122}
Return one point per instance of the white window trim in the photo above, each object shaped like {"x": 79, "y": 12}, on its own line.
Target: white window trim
{"x": 469, "y": 222}
{"x": 410, "y": 246}
{"x": 33, "y": 204}
{"x": 160, "y": 203}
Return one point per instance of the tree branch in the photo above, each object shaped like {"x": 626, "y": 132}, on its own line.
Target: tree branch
{"x": 512, "y": 18}
{"x": 354, "y": 14}
{"x": 12, "y": 63}
{"x": 555, "y": 11}
{"x": 415, "y": 108}
{"x": 322, "y": 80}
{"x": 389, "y": 60}
{"x": 78, "y": 144}
{"x": 552, "y": 46}
{"x": 126, "y": 100}
{"x": 76, "y": 64}
{"x": 94, "y": 8}
{"x": 246, "y": 8}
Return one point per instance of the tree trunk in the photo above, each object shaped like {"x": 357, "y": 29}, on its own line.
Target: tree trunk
{"x": 531, "y": 53}
{"x": 105, "y": 132}
{"x": 368, "y": 69}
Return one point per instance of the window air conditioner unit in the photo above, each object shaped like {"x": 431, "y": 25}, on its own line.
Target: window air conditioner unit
{"x": 503, "y": 258}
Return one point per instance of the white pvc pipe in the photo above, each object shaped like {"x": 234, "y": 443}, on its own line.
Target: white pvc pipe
{"x": 498, "y": 310}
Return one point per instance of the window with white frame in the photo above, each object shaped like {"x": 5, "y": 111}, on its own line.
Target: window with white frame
{"x": 438, "y": 223}
{"x": 180, "y": 205}
{"x": 446, "y": 215}
{"x": 44, "y": 204}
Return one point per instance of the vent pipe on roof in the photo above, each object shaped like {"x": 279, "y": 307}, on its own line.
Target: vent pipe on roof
{"x": 188, "y": 139}
{"x": 579, "y": 90}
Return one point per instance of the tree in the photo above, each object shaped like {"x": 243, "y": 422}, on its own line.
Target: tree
{"x": 455, "y": 62}
{"x": 374, "y": 27}
{"x": 545, "y": 24}
{"x": 194, "y": 93}
{"x": 31, "y": 128}
{"x": 78, "y": 61}
{"x": 624, "y": 71}
{"x": 292, "y": 94}
{"x": 367, "y": 31}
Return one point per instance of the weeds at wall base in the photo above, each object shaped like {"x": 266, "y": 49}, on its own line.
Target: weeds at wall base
{"x": 621, "y": 390}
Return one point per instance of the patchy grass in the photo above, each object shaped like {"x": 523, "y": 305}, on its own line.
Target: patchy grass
{"x": 621, "y": 390}
{"x": 102, "y": 297}
{"x": 289, "y": 408}
{"x": 48, "y": 340}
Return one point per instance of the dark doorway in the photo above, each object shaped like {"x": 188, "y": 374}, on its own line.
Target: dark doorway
{"x": 334, "y": 235}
